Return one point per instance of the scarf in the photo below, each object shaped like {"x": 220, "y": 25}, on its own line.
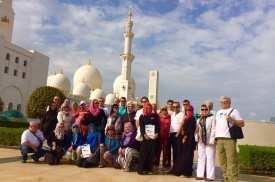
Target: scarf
{"x": 59, "y": 131}
{"x": 94, "y": 109}
{"x": 127, "y": 139}
{"x": 122, "y": 110}
{"x": 203, "y": 132}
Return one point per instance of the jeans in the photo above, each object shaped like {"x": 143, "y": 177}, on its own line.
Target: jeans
{"x": 36, "y": 155}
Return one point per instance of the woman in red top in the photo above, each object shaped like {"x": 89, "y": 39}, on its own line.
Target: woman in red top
{"x": 165, "y": 122}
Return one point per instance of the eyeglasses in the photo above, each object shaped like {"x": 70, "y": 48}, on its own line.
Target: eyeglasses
{"x": 204, "y": 109}
{"x": 96, "y": 103}
{"x": 185, "y": 104}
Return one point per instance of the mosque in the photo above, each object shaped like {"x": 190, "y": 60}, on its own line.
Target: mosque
{"x": 87, "y": 81}
{"x": 22, "y": 71}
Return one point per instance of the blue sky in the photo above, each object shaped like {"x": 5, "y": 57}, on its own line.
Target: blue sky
{"x": 202, "y": 48}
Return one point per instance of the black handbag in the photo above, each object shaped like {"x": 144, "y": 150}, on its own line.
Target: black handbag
{"x": 236, "y": 132}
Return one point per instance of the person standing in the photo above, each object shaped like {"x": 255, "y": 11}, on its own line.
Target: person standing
{"x": 48, "y": 123}
{"x": 164, "y": 147}
{"x": 226, "y": 146}
{"x": 131, "y": 113}
{"x": 98, "y": 118}
{"x": 149, "y": 128}
{"x": 169, "y": 105}
{"x": 186, "y": 144}
{"x": 205, "y": 136}
{"x": 176, "y": 120}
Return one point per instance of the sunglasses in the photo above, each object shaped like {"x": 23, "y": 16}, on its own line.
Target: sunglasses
{"x": 176, "y": 106}
{"x": 204, "y": 109}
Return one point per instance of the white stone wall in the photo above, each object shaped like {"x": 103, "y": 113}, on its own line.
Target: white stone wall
{"x": 16, "y": 89}
{"x": 153, "y": 86}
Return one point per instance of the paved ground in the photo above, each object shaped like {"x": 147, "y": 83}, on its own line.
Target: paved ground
{"x": 11, "y": 169}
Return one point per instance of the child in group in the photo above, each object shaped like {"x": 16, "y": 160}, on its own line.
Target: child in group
{"x": 129, "y": 148}
{"x": 109, "y": 150}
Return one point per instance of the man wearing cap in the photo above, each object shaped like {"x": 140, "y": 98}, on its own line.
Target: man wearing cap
{"x": 31, "y": 141}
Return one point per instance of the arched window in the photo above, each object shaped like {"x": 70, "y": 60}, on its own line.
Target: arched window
{"x": 18, "y": 108}
{"x": 8, "y": 56}
{"x": 10, "y": 106}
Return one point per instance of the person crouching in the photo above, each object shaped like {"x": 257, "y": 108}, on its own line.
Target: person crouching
{"x": 32, "y": 141}
{"x": 129, "y": 148}
{"x": 109, "y": 150}
{"x": 90, "y": 157}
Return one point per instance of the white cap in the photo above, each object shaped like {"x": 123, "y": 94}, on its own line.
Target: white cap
{"x": 82, "y": 103}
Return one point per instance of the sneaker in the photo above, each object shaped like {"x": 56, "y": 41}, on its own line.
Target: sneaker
{"x": 34, "y": 158}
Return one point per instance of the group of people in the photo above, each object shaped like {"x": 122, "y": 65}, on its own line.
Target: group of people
{"x": 137, "y": 137}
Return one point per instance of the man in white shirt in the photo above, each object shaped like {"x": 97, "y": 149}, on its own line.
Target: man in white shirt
{"x": 31, "y": 142}
{"x": 176, "y": 121}
{"x": 139, "y": 112}
{"x": 169, "y": 105}
{"x": 226, "y": 146}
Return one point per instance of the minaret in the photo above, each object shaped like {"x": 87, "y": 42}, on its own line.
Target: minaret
{"x": 127, "y": 59}
{"x": 6, "y": 19}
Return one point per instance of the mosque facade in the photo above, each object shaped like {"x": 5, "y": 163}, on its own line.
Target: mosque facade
{"x": 21, "y": 70}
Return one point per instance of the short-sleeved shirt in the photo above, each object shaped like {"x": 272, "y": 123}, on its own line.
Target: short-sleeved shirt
{"x": 176, "y": 121}
{"x": 138, "y": 114}
{"x": 222, "y": 130}
{"x": 28, "y": 136}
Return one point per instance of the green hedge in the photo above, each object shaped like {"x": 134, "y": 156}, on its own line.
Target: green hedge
{"x": 257, "y": 159}
{"x": 10, "y": 124}
{"x": 40, "y": 99}
{"x": 10, "y": 136}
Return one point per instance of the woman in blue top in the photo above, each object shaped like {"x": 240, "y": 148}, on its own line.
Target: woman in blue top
{"x": 109, "y": 151}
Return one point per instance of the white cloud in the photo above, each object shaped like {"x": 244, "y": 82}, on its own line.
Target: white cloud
{"x": 236, "y": 53}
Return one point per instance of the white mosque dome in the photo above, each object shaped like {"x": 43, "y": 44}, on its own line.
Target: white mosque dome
{"x": 109, "y": 99}
{"x": 96, "y": 94}
{"x": 82, "y": 90}
{"x": 59, "y": 81}
{"x": 89, "y": 75}
{"x": 117, "y": 85}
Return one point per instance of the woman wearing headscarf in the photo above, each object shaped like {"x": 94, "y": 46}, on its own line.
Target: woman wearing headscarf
{"x": 65, "y": 116}
{"x": 150, "y": 129}
{"x": 112, "y": 116}
{"x": 48, "y": 123}
{"x": 164, "y": 147}
{"x": 186, "y": 144}
{"x": 205, "y": 136}
{"x": 98, "y": 118}
{"x": 82, "y": 119}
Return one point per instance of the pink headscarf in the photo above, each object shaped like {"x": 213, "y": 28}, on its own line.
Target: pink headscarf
{"x": 188, "y": 113}
{"x": 94, "y": 108}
